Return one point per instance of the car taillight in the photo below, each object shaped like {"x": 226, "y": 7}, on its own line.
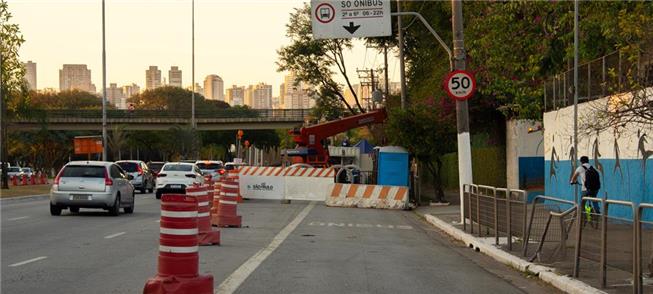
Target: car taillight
{"x": 107, "y": 180}
{"x": 190, "y": 176}
{"x": 221, "y": 171}
{"x": 58, "y": 177}
{"x": 139, "y": 169}
{"x": 160, "y": 175}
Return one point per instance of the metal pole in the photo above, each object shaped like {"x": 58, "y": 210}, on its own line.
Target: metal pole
{"x": 3, "y": 133}
{"x": 462, "y": 116}
{"x": 192, "y": 119}
{"x": 104, "y": 90}
{"x": 402, "y": 72}
{"x": 385, "y": 63}
{"x": 575, "y": 93}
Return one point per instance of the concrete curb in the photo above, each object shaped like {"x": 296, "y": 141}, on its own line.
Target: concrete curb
{"x": 24, "y": 198}
{"x": 547, "y": 274}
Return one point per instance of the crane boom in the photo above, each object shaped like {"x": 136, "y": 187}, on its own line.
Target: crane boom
{"x": 310, "y": 140}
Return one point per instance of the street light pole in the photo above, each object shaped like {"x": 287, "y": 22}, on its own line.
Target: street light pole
{"x": 462, "y": 114}
{"x": 192, "y": 119}
{"x": 104, "y": 90}
{"x": 402, "y": 69}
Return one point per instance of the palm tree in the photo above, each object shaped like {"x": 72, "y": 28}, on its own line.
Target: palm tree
{"x": 118, "y": 140}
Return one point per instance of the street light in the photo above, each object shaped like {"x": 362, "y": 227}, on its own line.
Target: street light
{"x": 192, "y": 119}
{"x": 104, "y": 91}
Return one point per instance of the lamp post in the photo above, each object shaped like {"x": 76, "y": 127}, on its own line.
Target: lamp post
{"x": 104, "y": 90}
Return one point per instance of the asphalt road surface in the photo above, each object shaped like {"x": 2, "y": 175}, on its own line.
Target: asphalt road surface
{"x": 300, "y": 247}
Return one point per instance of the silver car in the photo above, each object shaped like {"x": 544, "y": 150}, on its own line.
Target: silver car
{"x": 92, "y": 184}
{"x": 14, "y": 171}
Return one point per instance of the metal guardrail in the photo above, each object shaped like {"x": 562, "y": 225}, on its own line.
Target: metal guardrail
{"x": 290, "y": 114}
{"x": 601, "y": 77}
{"x": 549, "y": 208}
{"x": 500, "y": 210}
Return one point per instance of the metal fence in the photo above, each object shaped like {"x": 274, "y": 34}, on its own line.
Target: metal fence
{"x": 611, "y": 74}
{"x": 291, "y": 114}
{"x": 496, "y": 211}
{"x": 549, "y": 226}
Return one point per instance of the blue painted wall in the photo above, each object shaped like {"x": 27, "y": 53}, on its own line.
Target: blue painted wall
{"x": 631, "y": 182}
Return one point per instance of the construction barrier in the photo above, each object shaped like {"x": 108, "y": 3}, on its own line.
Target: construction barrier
{"x": 293, "y": 183}
{"x": 368, "y": 196}
{"x": 14, "y": 180}
{"x": 24, "y": 180}
{"x": 227, "y": 210}
{"x": 207, "y": 235}
{"x": 233, "y": 175}
{"x": 178, "y": 270}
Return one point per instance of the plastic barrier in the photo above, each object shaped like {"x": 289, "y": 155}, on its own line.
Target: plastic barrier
{"x": 294, "y": 183}
{"x": 227, "y": 212}
{"x": 178, "y": 270}
{"x": 32, "y": 180}
{"x": 233, "y": 175}
{"x": 14, "y": 180}
{"x": 23, "y": 181}
{"x": 44, "y": 179}
{"x": 207, "y": 235}
{"x": 368, "y": 196}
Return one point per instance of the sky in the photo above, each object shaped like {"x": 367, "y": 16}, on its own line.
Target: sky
{"x": 235, "y": 39}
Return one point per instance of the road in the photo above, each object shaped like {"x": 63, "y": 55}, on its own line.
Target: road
{"x": 292, "y": 248}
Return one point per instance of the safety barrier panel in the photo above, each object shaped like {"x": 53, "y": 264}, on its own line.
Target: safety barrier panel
{"x": 292, "y": 183}
{"x": 368, "y": 196}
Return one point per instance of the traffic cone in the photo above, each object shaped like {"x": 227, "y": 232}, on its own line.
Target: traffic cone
{"x": 233, "y": 174}
{"x": 24, "y": 180}
{"x": 207, "y": 236}
{"x": 32, "y": 180}
{"x": 14, "y": 180}
{"x": 44, "y": 179}
{"x": 178, "y": 270}
{"x": 227, "y": 214}
{"x": 216, "y": 202}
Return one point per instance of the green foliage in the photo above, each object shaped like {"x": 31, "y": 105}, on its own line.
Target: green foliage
{"x": 11, "y": 69}
{"x": 312, "y": 60}
{"x": 488, "y": 167}
{"x": 327, "y": 108}
{"x": 65, "y": 100}
{"x": 174, "y": 99}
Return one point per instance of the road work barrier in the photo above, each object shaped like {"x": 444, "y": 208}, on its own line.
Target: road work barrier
{"x": 207, "y": 235}
{"x": 368, "y": 196}
{"x": 233, "y": 174}
{"x": 293, "y": 183}
{"x": 178, "y": 270}
{"x": 227, "y": 210}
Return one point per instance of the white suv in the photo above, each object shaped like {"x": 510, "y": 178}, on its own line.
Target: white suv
{"x": 174, "y": 177}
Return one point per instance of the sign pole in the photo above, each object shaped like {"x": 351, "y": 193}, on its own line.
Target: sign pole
{"x": 402, "y": 67}
{"x": 104, "y": 92}
{"x": 462, "y": 116}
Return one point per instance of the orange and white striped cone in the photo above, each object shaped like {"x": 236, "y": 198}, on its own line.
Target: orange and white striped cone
{"x": 207, "y": 235}
{"x": 228, "y": 205}
{"x": 233, "y": 175}
{"x": 178, "y": 270}
{"x": 216, "y": 201}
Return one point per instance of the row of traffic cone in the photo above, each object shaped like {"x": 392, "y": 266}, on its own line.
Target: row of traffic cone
{"x": 37, "y": 179}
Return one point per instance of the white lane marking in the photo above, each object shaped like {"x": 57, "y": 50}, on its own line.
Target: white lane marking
{"x": 18, "y": 218}
{"x": 231, "y": 283}
{"x": 340, "y": 225}
{"x": 157, "y": 221}
{"x": 114, "y": 235}
{"x": 28, "y": 261}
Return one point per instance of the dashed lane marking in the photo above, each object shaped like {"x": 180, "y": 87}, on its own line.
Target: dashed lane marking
{"x": 28, "y": 261}
{"x": 350, "y": 225}
{"x": 18, "y": 218}
{"x": 114, "y": 235}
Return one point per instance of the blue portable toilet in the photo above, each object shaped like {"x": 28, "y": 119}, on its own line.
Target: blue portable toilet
{"x": 392, "y": 166}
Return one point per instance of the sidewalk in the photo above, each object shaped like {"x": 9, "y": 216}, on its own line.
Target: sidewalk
{"x": 447, "y": 219}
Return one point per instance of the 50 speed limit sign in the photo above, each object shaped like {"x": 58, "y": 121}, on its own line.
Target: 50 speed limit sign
{"x": 460, "y": 85}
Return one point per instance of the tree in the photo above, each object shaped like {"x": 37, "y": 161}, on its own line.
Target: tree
{"x": 12, "y": 82}
{"x": 327, "y": 108}
{"x": 312, "y": 60}
{"x": 174, "y": 99}
{"x": 65, "y": 100}
{"x": 427, "y": 134}
{"x": 117, "y": 141}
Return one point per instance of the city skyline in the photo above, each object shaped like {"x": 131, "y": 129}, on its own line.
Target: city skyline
{"x": 157, "y": 32}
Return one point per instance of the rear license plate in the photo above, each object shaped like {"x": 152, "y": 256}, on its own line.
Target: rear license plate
{"x": 80, "y": 197}
{"x": 175, "y": 186}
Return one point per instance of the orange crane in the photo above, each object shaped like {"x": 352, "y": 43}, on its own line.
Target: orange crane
{"x": 311, "y": 141}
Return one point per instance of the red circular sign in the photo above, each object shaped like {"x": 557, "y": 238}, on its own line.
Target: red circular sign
{"x": 460, "y": 85}
{"x": 325, "y": 13}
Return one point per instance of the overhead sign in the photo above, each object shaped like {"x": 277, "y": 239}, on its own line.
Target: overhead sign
{"x": 460, "y": 85}
{"x": 333, "y": 19}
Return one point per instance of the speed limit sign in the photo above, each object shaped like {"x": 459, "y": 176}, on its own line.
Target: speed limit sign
{"x": 460, "y": 85}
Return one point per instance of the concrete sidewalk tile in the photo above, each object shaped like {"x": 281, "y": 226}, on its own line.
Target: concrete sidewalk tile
{"x": 546, "y": 274}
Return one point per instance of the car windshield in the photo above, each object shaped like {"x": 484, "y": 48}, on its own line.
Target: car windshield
{"x": 205, "y": 166}
{"x": 26, "y": 169}
{"x": 129, "y": 167}
{"x": 178, "y": 167}
{"x": 156, "y": 166}
{"x": 13, "y": 170}
{"x": 83, "y": 171}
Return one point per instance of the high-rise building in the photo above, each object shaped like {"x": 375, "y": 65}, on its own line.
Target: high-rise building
{"x": 296, "y": 95}
{"x": 282, "y": 94}
{"x": 116, "y": 96}
{"x": 152, "y": 78}
{"x": 235, "y": 96}
{"x": 213, "y": 88}
{"x": 259, "y": 96}
{"x": 130, "y": 90}
{"x": 174, "y": 77}
{"x": 198, "y": 89}
{"x": 30, "y": 75}
{"x": 75, "y": 77}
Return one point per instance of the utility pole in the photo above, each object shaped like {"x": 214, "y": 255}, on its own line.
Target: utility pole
{"x": 385, "y": 71}
{"x": 3, "y": 132}
{"x": 575, "y": 155}
{"x": 462, "y": 113}
{"x": 402, "y": 72}
{"x": 192, "y": 119}
{"x": 104, "y": 90}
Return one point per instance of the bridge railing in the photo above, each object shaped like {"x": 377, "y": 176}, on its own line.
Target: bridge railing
{"x": 291, "y": 114}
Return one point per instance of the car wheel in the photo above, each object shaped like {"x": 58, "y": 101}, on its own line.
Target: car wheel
{"x": 130, "y": 208}
{"x": 74, "y": 209}
{"x": 144, "y": 189}
{"x": 55, "y": 210}
{"x": 115, "y": 209}
{"x": 158, "y": 195}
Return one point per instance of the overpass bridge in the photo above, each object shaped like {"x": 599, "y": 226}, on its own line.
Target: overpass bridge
{"x": 152, "y": 120}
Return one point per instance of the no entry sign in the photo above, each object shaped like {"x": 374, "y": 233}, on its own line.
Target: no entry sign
{"x": 460, "y": 85}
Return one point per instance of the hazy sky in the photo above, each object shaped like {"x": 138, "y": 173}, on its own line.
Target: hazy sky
{"x": 235, "y": 39}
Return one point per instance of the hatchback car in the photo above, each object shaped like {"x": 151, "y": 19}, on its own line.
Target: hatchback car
{"x": 143, "y": 180}
{"x": 213, "y": 168}
{"x": 176, "y": 176}
{"x": 14, "y": 171}
{"x": 92, "y": 184}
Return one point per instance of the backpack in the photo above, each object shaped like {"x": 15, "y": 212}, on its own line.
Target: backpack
{"x": 592, "y": 179}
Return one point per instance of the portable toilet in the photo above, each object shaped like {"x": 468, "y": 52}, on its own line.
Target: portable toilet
{"x": 392, "y": 166}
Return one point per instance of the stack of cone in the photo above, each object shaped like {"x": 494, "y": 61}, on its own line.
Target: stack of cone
{"x": 207, "y": 235}
{"x": 233, "y": 175}
{"x": 227, "y": 212}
